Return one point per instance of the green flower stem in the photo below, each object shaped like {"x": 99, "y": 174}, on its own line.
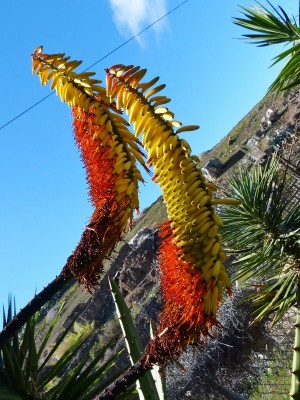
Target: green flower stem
{"x": 33, "y": 306}
{"x": 295, "y": 384}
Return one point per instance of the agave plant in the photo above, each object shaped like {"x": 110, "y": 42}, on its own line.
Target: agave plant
{"x": 263, "y": 232}
{"x": 28, "y": 371}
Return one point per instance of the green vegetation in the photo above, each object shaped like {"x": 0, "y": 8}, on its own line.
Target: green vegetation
{"x": 28, "y": 371}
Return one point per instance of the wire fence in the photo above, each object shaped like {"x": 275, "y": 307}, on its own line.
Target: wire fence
{"x": 275, "y": 365}
{"x": 293, "y": 189}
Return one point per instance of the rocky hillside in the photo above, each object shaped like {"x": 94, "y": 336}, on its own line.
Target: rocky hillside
{"x": 228, "y": 366}
{"x": 273, "y": 121}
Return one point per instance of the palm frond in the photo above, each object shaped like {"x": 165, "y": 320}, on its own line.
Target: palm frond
{"x": 264, "y": 234}
{"x": 274, "y": 28}
{"x": 275, "y": 297}
{"x": 261, "y": 210}
{"x": 271, "y": 29}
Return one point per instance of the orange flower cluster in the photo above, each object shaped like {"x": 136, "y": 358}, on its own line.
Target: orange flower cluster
{"x": 98, "y": 162}
{"x": 113, "y": 191}
{"x": 190, "y": 303}
{"x": 105, "y": 227}
{"x": 184, "y": 287}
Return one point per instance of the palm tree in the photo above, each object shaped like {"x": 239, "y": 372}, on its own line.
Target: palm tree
{"x": 281, "y": 231}
{"x": 264, "y": 233}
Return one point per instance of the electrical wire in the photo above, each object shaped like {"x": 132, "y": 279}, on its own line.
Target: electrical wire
{"x": 98, "y": 61}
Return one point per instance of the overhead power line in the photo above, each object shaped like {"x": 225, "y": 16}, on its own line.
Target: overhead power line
{"x": 96, "y": 62}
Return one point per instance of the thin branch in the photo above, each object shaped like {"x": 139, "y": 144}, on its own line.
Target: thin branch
{"x": 121, "y": 384}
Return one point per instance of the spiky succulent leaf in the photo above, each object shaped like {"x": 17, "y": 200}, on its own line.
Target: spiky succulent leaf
{"x": 25, "y": 373}
{"x": 146, "y": 385}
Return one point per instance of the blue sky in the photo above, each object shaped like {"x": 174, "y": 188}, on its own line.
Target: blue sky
{"x": 212, "y": 78}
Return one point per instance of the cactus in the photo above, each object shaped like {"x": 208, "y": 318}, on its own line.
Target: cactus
{"x": 149, "y": 386}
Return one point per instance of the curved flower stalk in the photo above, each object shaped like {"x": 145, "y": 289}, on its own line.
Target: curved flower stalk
{"x": 109, "y": 151}
{"x": 191, "y": 258}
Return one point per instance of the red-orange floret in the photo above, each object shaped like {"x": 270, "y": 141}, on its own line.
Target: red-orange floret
{"x": 99, "y": 167}
{"x": 106, "y": 226}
